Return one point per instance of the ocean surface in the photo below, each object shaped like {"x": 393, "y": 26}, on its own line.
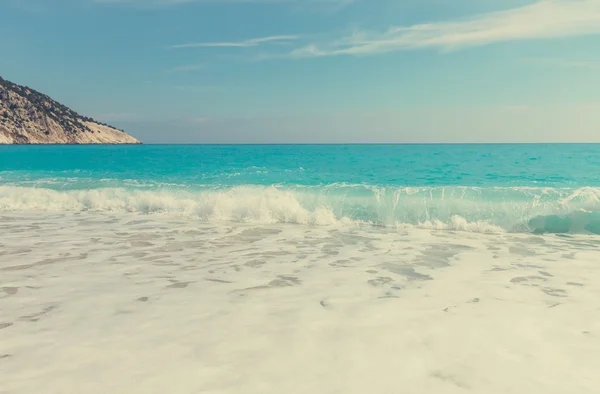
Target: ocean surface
{"x": 300, "y": 269}
{"x": 482, "y": 188}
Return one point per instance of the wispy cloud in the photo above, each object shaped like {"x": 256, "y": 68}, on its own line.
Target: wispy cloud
{"x": 254, "y": 42}
{"x": 542, "y": 20}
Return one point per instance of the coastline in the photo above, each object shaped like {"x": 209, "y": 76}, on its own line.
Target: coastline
{"x": 74, "y": 143}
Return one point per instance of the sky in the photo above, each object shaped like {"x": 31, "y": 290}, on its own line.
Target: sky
{"x": 315, "y": 71}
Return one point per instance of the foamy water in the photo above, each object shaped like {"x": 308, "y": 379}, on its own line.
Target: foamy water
{"x": 130, "y": 303}
{"x": 517, "y": 209}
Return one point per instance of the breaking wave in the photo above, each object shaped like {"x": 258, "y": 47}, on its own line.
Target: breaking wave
{"x": 518, "y": 209}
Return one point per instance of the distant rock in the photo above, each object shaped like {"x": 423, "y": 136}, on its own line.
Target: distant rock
{"x": 30, "y": 117}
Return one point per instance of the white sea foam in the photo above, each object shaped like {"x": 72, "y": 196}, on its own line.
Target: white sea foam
{"x": 461, "y": 224}
{"x": 457, "y": 208}
{"x": 126, "y": 303}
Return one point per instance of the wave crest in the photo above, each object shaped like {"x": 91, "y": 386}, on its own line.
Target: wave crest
{"x": 456, "y": 208}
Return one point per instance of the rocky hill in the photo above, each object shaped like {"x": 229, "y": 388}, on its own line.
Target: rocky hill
{"x": 30, "y": 117}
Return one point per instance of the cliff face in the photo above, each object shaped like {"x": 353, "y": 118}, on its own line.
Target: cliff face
{"x": 30, "y": 117}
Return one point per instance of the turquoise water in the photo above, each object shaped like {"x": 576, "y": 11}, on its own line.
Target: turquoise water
{"x": 539, "y": 188}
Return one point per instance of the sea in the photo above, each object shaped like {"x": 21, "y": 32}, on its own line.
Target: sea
{"x": 300, "y": 269}
{"x": 512, "y": 188}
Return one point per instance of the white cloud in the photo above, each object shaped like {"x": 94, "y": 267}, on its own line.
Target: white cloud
{"x": 542, "y": 20}
{"x": 238, "y": 44}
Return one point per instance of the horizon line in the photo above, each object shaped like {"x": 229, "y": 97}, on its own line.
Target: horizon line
{"x": 310, "y": 144}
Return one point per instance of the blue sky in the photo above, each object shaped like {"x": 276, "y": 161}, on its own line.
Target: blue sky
{"x": 315, "y": 70}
